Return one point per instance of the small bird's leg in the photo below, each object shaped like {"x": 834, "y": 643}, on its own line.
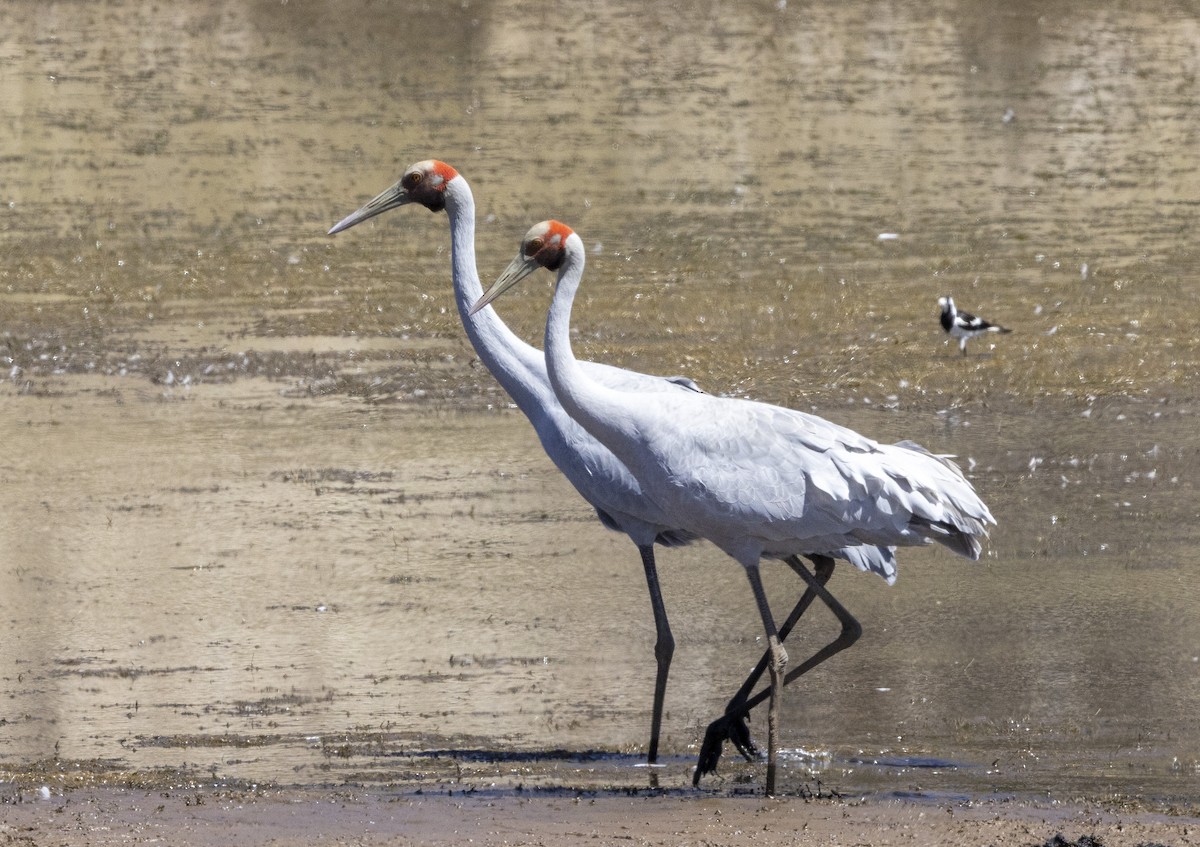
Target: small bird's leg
{"x": 732, "y": 724}
{"x": 777, "y": 666}
{"x": 664, "y": 647}
{"x": 851, "y": 630}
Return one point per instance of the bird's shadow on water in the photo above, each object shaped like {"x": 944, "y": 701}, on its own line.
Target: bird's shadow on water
{"x": 929, "y": 762}
{"x": 881, "y": 775}
{"x": 483, "y": 772}
{"x": 479, "y": 754}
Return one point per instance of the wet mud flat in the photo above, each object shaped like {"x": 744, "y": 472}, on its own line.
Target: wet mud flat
{"x": 327, "y": 589}
{"x": 277, "y": 554}
{"x": 246, "y": 548}
{"x": 326, "y": 602}
{"x": 233, "y": 816}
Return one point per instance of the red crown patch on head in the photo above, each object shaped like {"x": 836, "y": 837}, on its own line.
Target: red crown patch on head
{"x": 443, "y": 170}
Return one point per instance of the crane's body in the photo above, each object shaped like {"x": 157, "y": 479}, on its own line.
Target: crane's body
{"x": 755, "y": 479}
{"x": 760, "y": 480}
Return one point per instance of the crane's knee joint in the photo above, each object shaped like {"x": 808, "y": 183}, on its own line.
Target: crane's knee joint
{"x": 664, "y": 648}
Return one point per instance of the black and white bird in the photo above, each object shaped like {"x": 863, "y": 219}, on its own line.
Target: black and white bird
{"x": 963, "y": 325}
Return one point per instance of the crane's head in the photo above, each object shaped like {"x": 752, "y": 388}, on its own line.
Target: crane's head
{"x": 543, "y": 246}
{"x": 424, "y": 183}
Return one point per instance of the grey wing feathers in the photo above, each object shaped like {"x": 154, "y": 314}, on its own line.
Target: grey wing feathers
{"x": 953, "y": 514}
{"x": 877, "y": 560}
{"x": 797, "y": 476}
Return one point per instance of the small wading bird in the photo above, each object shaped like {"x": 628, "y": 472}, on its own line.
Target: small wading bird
{"x": 963, "y": 325}
{"x": 602, "y": 480}
{"x": 756, "y": 480}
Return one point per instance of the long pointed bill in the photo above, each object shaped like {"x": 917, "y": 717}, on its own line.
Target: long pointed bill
{"x": 517, "y": 270}
{"x": 389, "y": 199}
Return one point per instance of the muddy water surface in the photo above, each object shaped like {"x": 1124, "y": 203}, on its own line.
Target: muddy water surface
{"x": 267, "y": 519}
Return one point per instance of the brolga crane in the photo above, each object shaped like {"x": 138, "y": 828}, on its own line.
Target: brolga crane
{"x": 757, "y": 480}
{"x": 520, "y": 369}
{"x": 596, "y": 474}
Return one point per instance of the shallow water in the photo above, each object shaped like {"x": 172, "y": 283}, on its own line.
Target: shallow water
{"x": 267, "y": 519}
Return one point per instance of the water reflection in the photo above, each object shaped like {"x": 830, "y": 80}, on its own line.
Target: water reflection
{"x": 267, "y": 516}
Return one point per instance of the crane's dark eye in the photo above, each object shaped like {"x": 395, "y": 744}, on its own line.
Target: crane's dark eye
{"x": 412, "y": 180}
{"x": 534, "y": 247}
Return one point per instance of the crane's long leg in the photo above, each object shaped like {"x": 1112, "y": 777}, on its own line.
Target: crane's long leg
{"x": 851, "y": 630}
{"x": 732, "y": 724}
{"x": 664, "y": 647}
{"x": 777, "y": 666}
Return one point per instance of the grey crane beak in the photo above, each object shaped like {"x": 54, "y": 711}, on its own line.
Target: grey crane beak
{"x": 519, "y": 268}
{"x": 389, "y": 199}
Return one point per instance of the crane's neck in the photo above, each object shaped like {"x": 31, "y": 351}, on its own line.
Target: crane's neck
{"x": 608, "y": 415}
{"x": 519, "y": 367}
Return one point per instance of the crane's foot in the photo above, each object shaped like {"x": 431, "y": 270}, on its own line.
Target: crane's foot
{"x": 735, "y": 728}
